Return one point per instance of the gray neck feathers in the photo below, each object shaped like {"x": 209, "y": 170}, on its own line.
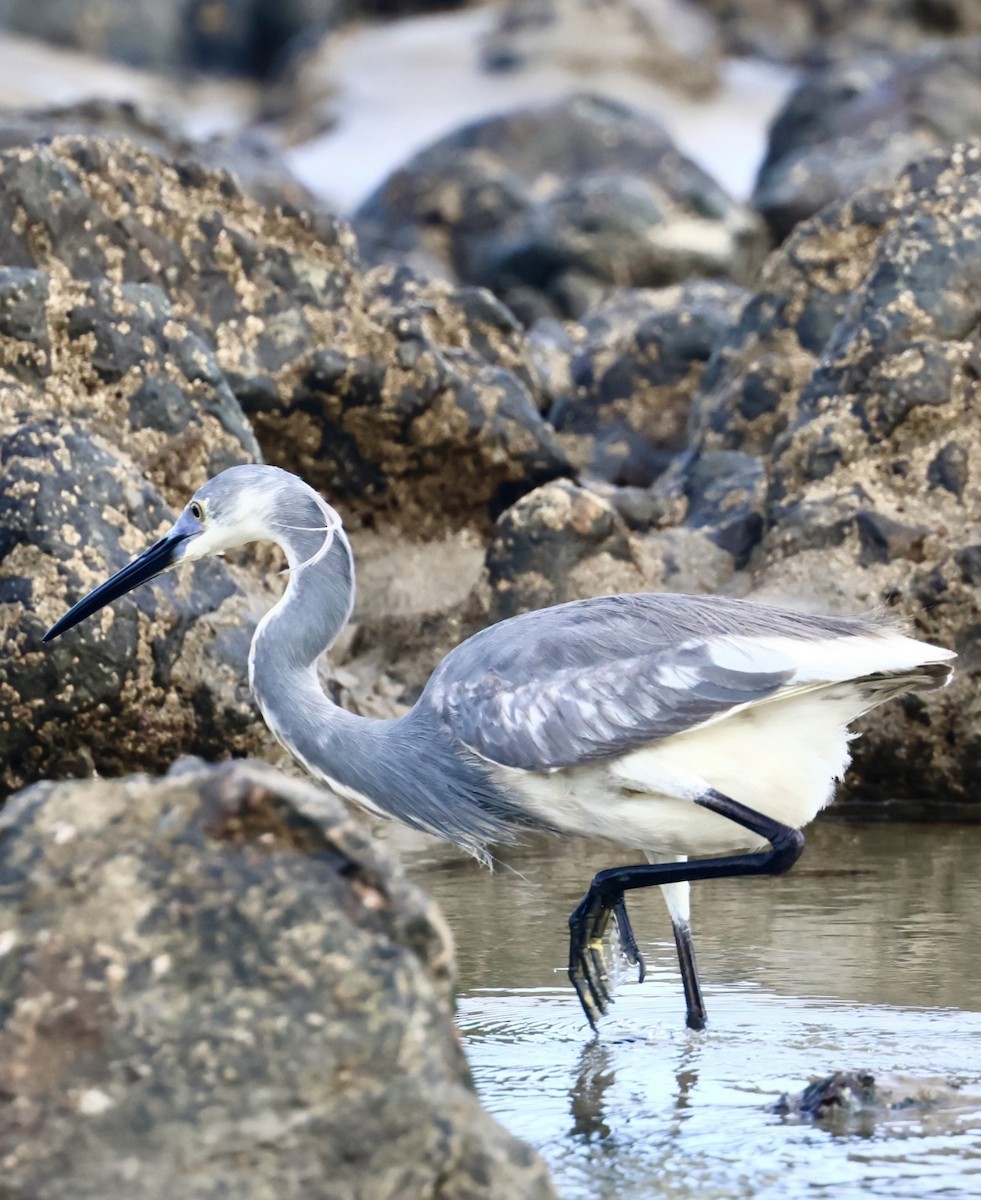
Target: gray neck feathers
{"x": 408, "y": 767}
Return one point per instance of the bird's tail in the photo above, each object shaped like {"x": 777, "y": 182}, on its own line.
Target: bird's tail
{"x": 885, "y": 685}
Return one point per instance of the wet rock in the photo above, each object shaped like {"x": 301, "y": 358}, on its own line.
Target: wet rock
{"x": 861, "y": 121}
{"x": 669, "y": 41}
{"x": 214, "y": 984}
{"x": 859, "y": 1102}
{"x": 621, "y": 406}
{"x": 552, "y": 207}
{"x": 162, "y": 672}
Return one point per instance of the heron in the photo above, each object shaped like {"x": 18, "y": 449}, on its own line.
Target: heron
{"x": 701, "y": 733}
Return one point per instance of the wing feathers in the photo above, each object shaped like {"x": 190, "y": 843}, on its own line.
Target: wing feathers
{"x": 594, "y": 679}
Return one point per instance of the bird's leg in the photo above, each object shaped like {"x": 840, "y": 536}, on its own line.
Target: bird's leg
{"x": 591, "y": 916}
{"x": 695, "y": 1015}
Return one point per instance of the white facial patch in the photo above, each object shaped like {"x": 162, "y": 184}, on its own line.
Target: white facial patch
{"x": 248, "y": 522}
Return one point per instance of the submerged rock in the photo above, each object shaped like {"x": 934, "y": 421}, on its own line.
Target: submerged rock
{"x": 552, "y": 207}
{"x": 212, "y": 985}
{"x": 860, "y": 1102}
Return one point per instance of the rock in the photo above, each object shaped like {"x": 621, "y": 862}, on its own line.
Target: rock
{"x": 564, "y": 542}
{"x": 558, "y": 543}
{"x": 161, "y": 672}
{"x": 552, "y": 207}
{"x": 116, "y": 356}
{"x": 363, "y": 386}
{"x": 213, "y": 985}
{"x": 805, "y": 30}
{"x": 250, "y": 156}
{"x": 861, "y": 121}
{"x": 669, "y": 41}
{"x": 142, "y": 33}
{"x": 857, "y": 1101}
{"x": 435, "y": 377}
{"x": 224, "y": 37}
{"x": 854, "y": 375}
{"x": 727, "y": 494}
{"x": 621, "y": 406}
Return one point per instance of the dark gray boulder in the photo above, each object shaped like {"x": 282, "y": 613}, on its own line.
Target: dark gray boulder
{"x": 552, "y": 207}
{"x": 805, "y": 31}
{"x": 859, "y": 122}
{"x": 250, "y": 155}
{"x": 214, "y": 985}
{"x": 633, "y": 363}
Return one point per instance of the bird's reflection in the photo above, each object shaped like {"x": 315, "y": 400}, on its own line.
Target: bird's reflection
{"x": 596, "y": 1074}
{"x": 594, "y": 1077}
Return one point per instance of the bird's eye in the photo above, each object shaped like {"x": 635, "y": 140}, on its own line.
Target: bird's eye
{"x": 197, "y": 511}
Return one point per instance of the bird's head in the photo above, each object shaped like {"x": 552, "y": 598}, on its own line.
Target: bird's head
{"x": 242, "y": 504}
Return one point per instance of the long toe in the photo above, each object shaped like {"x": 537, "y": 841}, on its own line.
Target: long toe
{"x": 588, "y": 968}
{"x": 628, "y": 942}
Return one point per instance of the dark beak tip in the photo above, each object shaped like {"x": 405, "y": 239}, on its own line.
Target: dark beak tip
{"x": 151, "y": 563}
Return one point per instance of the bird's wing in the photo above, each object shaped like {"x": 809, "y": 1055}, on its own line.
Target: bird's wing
{"x": 589, "y": 680}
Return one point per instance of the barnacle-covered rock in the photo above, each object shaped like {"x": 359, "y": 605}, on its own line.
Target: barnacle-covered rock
{"x": 213, "y": 984}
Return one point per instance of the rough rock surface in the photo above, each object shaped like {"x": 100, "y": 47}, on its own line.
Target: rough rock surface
{"x": 143, "y": 303}
{"x": 214, "y": 985}
{"x": 326, "y": 363}
{"x": 854, "y": 373}
{"x": 252, "y": 157}
{"x": 565, "y": 542}
{"x": 834, "y": 462}
{"x": 669, "y": 41}
{"x": 157, "y": 674}
{"x": 633, "y": 364}
{"x": 861, "y": 121}
{"x": 551, "y": 207}
{"x": 430, "y": 378}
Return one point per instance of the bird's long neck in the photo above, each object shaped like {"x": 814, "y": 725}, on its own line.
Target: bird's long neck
{"x": 315, "y": 606}
{"x": 305, "y": 623}
{"x": 402, "y": 767}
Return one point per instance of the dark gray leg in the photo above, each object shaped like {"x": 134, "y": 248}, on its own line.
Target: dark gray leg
{"x": 591, "y": 917}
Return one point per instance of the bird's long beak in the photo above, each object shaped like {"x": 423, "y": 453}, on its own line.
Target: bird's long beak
{"x": 151, "y": 563}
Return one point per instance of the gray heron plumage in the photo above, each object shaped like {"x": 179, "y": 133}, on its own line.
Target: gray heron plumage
{"x": 678, "y": 726}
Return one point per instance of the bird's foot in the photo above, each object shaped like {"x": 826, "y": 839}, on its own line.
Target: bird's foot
{"x": 587, "y": 959}
{"x": 588, "y": 965}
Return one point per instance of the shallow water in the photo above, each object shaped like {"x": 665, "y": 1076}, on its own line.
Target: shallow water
{"x": 865, "y": 957}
